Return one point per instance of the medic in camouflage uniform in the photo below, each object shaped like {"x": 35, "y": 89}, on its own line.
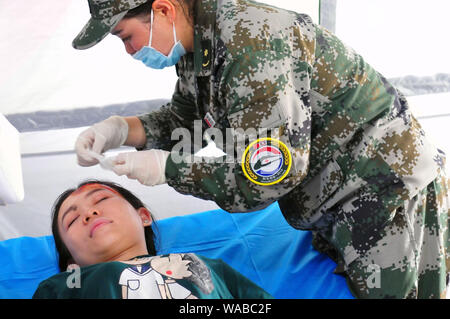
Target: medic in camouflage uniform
{"x": 363, "y": 176}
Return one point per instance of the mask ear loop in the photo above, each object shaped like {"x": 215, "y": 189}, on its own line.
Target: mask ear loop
{"x": 174, "y": 33}
{"x": 151, "y": 29}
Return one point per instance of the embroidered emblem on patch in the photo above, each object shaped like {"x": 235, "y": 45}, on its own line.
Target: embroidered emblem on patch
{"x": 266, "y": 161}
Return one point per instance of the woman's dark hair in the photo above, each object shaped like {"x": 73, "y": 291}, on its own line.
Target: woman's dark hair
{"x": 144, "y": 9}
{"x": 64, "y": 257}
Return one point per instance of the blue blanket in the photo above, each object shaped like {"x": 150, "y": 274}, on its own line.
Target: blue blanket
{"x": 261, "y": 245}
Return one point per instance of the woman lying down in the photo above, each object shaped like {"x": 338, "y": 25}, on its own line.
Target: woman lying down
{"x": 103, "y": 234}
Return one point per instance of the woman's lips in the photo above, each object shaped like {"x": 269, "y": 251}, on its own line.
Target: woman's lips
{"x": 97, "y": 224}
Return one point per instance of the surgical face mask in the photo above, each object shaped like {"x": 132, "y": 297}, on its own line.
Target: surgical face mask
{"x": 155, "y": 59}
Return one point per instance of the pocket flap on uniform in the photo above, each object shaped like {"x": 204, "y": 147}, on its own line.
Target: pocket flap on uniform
{"x": 255, "y": 117}
{"x": 250, "y": 124}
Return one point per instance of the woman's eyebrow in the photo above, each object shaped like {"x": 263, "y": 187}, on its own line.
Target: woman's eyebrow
{"x": 94, "y": 191}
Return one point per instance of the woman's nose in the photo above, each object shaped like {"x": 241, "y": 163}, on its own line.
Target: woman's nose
{"x": 129, "y": 48}
{"x": 89, "y": 215}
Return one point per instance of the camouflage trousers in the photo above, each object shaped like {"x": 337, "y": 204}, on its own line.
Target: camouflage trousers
{"x": 415, "y": 261}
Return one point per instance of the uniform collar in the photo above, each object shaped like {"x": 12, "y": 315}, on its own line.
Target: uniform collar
{"x": 204, "y": 24}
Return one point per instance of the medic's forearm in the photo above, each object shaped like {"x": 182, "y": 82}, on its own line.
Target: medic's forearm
{"x": 136, "y": 133}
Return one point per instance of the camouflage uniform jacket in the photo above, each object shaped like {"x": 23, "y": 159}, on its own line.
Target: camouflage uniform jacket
{"x": 349, "y": 131}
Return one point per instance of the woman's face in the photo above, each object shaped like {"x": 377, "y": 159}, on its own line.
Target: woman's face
{"x": 135, "y": 34}
{"x": 97, "y": 224}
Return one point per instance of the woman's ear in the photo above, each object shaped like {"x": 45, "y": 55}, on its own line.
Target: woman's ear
{"x": 166, "y": 8}
{"x": 145, "y": 216}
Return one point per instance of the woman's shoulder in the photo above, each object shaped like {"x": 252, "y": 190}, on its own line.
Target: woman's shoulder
{"x": 259, "y": 26}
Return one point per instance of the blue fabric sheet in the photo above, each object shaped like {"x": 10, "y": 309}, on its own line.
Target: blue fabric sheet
{"x": 261, "y": 245}
{"x": 24, "y": 263}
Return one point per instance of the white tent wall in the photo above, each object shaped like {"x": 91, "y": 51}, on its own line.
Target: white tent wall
{"x": 40, "y": 71}
{"x": 397, "y": 37}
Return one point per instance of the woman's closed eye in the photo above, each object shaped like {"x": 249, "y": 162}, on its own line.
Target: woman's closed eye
{"x": 101, "y": 199}
{"x": 73, "y": 220}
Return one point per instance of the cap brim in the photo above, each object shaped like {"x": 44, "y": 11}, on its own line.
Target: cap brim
{"x": 96, "y": 30}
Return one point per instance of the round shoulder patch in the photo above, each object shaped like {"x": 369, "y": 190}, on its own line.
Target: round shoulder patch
{"x": 266, "y": 161}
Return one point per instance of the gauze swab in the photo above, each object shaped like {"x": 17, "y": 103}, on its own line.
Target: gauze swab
{"x": 105, "y": 162}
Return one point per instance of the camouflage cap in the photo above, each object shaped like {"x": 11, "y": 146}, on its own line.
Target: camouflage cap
{"x": 105, "y": 15}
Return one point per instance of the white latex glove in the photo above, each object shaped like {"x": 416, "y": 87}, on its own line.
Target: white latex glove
{"x": 148, "y": 167}
{"x": 108, "y": 134}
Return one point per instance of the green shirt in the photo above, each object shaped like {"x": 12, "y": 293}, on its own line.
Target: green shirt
{"x": 174, "y": 276}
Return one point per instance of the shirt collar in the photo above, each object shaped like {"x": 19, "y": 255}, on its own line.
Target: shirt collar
{"x": 204, "y": 25}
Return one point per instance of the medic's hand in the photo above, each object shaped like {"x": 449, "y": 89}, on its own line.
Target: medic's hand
{"x": 108, "y": 134}
{"x": 148, "y": 167}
